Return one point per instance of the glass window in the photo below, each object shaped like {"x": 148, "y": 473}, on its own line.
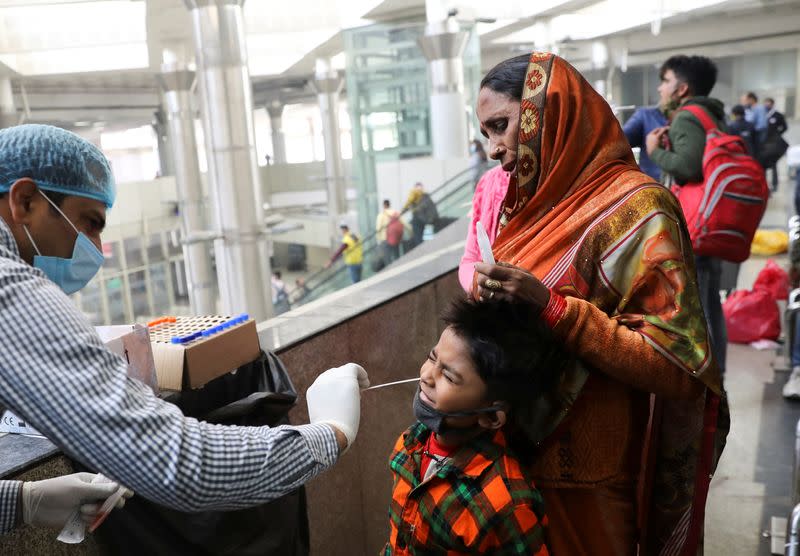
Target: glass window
{"x": 179, "y": 283}
{"x": 155, "y": 249}
{"x": 158, "y": 281}
{"x": 133, "y": 252}
{"x": 111, "y": 251}
{"x": 174, "y": 238}
{"x": 116, "y": 304}
{"x": 138, "y": 284}
{"x": 92, "y": 304}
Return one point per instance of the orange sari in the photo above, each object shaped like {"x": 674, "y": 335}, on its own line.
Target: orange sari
{"x": 613, "y": 247}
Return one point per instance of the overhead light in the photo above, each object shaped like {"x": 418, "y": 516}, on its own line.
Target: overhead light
{"x": 82, "y": 124}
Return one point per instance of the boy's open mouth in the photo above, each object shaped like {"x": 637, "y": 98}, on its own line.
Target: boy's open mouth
{"x": 424, "y": 397}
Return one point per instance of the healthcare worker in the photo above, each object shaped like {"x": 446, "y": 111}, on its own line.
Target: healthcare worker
{"x": 56, "y": 374}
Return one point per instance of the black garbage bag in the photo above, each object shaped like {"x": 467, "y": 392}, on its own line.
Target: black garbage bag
{"x": 259, "y": 393}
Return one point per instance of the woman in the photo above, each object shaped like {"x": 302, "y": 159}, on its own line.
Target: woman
{"x": 602, "y": 254}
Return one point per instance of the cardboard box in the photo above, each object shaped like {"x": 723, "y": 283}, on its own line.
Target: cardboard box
{"x": 132, "y": 342}
{"x": 195, "y": 362}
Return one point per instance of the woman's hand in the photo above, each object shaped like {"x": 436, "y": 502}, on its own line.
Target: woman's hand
{"x": 510, "y": 283}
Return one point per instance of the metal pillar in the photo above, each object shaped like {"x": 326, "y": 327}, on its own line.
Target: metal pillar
{"x": 275, "y": 112}
{"x": 159, "y": 123}
{"x": 227, "y": 101}
{"x": 328, "y": 84}
{"x": 8, "y": 112}
{"x": 177, "y": 81}
{"x": 443, "y": 46}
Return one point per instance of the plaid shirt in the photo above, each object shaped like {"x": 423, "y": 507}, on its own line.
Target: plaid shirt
{"x": 57, "y": 375}
{"x": 479, "y": 502}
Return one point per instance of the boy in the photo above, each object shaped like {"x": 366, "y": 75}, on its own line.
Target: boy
{"x": 458, "y": 486}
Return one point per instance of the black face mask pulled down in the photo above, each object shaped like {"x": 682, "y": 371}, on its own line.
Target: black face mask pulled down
{"x": 434, "y": 419}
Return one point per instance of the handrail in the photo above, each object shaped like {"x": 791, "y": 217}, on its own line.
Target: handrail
{"x": 325, "y": 275}
{"x": 793, "y": 534}
{"x": 339, "y": 271}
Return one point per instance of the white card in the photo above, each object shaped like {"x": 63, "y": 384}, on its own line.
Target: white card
{"x": 14, "y": 424}
{"x": 484, "y": 244}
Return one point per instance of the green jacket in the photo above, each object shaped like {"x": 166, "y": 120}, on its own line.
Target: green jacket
{"x": 688, "y": 139}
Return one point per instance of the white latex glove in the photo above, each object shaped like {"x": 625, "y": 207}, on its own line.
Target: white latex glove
{"x": 335, "y": 399}
{"x": 51, "y": 502}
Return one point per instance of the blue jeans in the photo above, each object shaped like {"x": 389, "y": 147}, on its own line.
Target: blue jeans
{"x": 709, "y": 270}
{"x": 796, "y": 341}
{"x": 355, "y": 272}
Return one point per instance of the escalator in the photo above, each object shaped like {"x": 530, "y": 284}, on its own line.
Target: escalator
{"x": 453, "y": 200}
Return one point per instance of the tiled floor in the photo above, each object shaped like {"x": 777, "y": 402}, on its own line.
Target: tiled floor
{"x": 753, "y": 481}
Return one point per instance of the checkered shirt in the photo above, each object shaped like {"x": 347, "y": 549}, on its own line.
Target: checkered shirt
{"x": 56, "y": 374}
{"x": 479, "y": 502}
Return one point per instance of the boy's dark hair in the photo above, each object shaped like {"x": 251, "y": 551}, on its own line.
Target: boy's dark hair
{"x": 387, "y": 203}
{"x": 515, "y": 354}
{"x": 752, "y": 96}
{"x": 738, "y": 110}
{"x": 699, "y": 72}
{"x": 508, "y": 77}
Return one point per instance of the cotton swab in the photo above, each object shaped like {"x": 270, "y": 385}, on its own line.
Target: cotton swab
{"x": 392, "y": 383}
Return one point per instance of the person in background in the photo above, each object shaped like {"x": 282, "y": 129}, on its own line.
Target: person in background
{"x": 300, "y": 290}
{"x": 793, "y": 161}
{"x": 738, "y": 125}
{"x": 280, "y": 297}
{"x": 644, "y": 120}
{"x": 389, "y": 231}
{"x": 687, "y": 80}
{"x": 423, "y": 212}
{"x": 756, "y": 114}
{"x": 353, "y": 251}
{"x": 478, "y": 161}
{"x": 774, "y": 146}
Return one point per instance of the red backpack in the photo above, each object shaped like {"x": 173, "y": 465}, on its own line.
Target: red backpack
{"x": 724, "y": 210}
{"x": 394, "y": 231}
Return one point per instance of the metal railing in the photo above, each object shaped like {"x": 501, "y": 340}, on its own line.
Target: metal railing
{"x": 792, "y": 309}
{"x": 793, "y": 526}
{"x": 453, "y": 200}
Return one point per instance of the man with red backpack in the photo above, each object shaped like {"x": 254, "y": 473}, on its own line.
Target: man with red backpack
{"x": 721, "y": 191}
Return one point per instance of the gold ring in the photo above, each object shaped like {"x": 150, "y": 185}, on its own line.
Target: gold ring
{"x": 493, "y": 284}
{"x": 491, "y": 294}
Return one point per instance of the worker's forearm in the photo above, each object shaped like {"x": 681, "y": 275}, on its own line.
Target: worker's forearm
{"x": 56, "y": 374}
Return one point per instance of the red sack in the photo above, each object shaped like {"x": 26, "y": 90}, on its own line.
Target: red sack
{"x": 751, "y": 315}
{"x": 774, "y": 280}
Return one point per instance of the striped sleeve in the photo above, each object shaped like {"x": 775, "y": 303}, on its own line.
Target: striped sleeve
{"x": 56, "y": 374}
{"x": 9, "y": 498}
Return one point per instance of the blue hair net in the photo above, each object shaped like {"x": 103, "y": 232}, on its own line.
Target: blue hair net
{"x": 57, "y": 160}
